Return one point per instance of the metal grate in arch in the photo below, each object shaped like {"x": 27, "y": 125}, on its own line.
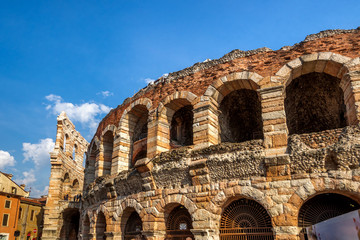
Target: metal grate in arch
{"x": 245, "y": 219}
{"x": 178, "y": 224}
{"x": 324, "y": 207}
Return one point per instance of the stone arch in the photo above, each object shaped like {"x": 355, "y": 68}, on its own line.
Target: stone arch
{"x": 239, "y": 105}
{"x": 324, "y": 67}
{"x": 70, "y": 223}
{"x": 234, "y": 81}
{"x": 131, "y": 223}
{"x": 175, "y": 199}
{"x": 176, "y": 117}
{"x": 132, "y": 131}
{"x": 86, "y": 227}
{"x": 67, "y": 185}
{"x": 223, "y": 198}
{"x": 106, "y": 150}
{"x": 178, "y": 221}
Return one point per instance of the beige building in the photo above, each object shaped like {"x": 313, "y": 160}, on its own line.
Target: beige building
{"x": 255, "y": 145}
{"x": 31, "y": 220}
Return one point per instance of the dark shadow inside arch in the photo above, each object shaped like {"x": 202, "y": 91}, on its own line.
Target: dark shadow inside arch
{"x": 138, "y": 131}
{"x": 240, "y": 116}
{"x": 108, "y": 143}
{"x": 178, "y": 224}
{"x": 245, "y": 219}
{"x": 100, "y": 226}
{"x": 323, "y": 207}
{"x": 86, "y": 228}
{"x": 181, "y": 129}
{"x": 70, "y": 228}
{"x": 314, "y": 102}
{"x": 133, "y": 227}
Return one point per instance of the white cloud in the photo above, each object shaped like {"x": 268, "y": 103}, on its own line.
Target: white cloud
{"x": 36, "y": 193}
{"x": 149, "y": 80}
{"x": 53, "y": 98}
{"x": 85, "y": 113}
{"x": 29, "y": 177}
{"x": 105, "y": 94}
{"x": 6, "y": 159}
{"x": 39, "y": 153}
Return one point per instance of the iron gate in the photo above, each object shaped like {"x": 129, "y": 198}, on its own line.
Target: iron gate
{"x": 245, "y": 219}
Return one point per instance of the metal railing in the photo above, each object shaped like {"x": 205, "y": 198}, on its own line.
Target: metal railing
{"x": 179, "y": 235}
{"x": 261, "y": 233}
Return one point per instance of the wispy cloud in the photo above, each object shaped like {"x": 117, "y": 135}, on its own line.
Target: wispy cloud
{"x": 149, "y": 80}
{"x": 28, "y": 177}
{"x": 6, "y": 160}
{"x": 86, "y": 113}
{"x": 39, "y": 153}
{"x": 105, "y": 94}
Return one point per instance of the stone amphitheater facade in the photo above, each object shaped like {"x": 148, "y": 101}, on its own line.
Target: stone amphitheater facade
{"x": 254, "y": 145}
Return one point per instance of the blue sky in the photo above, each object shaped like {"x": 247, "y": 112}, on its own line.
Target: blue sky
{"x": 86, "y": 57}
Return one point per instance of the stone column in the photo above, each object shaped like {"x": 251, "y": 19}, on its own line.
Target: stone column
{"x": 52, "y": 212}
{"x": 352, "y": 97}
{"x": 159, "y": 133}
{"x": 99, "y": 163}
{"x": 205, "y": 127}
{"x": 274, "y": 120}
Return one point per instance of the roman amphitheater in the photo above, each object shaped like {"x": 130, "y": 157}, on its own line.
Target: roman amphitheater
{"x": 255, "y": 145}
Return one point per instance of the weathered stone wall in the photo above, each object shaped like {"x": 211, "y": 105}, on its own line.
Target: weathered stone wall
{"x": 279, "y": 171}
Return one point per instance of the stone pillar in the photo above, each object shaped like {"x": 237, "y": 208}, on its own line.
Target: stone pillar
{"x": 152, "y": 139}
{"x": 99, "y": 163}
{"x": 159, "y": 133}
{"x": 274, "y": 120}
{"x": 52, "y": 213}
{"x": 205, "y": 127}
{"x": 278, "y": 167}
{"x": 351, "y": 87}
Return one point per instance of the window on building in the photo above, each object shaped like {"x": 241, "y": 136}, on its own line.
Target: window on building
{"x": 32, "y": 215}
{"x": 7, "y": 203}
{"x": 20, "y": 212}
{"x": 5, "y": 220}
{"x": 13, "y": 190}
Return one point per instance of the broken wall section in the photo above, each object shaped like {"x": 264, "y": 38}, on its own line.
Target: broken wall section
{"x": 67, "y": 175}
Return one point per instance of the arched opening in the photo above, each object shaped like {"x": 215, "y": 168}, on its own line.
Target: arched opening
{"x": 100, "y": 226}
{"x": 133, "y": 227}
{"x": 314, "y": 102}
{"x": 178, "y": 224}
{"x": 66, "y": 187}
{"x": 65, "y": 143}
{"x": 240, "y": 116}
{"x": 108, "y": 141}
{"x": 75, "y": 190}
{"x": 86, "y": 228}
{"x": 90, "y": 165}
{"x": 323, "y": 207}
{"x": 181, "y": 128}
{"x": 245, "y": 219}
{"x": 75, "y": 151}
{"x": 70, "y": 226}
{"x": 138, "y": 130}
